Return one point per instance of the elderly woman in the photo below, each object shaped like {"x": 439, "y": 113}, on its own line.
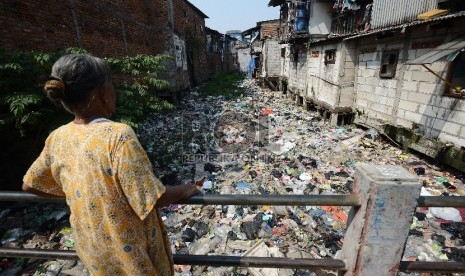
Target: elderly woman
{"x": 105, "y": 175}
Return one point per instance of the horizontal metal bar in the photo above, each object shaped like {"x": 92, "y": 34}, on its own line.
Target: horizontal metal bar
{"x": 289, "y": 200}
{"x": 193, "y": 259}
{"x": 38, "y": 253}
{"x": 441, "y": 201}
{"x": 259, "y": 262}
{"x": 406, "y": 266}
{"x": 26, "y": 197}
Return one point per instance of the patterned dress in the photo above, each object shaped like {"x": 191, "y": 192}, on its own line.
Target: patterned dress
{"x": 111, "y": 190}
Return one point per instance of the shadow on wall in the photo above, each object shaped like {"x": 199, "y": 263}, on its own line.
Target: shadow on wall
{"x": 439, "y": 110}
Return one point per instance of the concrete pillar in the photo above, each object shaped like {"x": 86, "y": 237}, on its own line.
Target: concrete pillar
{"x": 333, "y": 119}
{"x": 378, "y": 229}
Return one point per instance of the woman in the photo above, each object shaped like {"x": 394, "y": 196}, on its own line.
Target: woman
{"x": 105, "y": 175}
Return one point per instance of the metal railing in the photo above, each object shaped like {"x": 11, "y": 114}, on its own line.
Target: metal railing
{"x": 250, "y": 200}
{"x": 346, "y": 23}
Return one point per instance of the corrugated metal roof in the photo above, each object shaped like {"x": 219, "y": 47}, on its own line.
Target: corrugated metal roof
{"x": 394, "y": 12}
{"x": 405, "y": 25}
{"x": 439, "y": 52}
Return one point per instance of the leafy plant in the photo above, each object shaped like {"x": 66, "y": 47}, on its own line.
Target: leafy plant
{"x": 136, "y": 82}
{"x": 23, "y": 105}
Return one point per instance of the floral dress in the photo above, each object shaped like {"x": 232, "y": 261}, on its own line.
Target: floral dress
{"x": 111, "y": 190}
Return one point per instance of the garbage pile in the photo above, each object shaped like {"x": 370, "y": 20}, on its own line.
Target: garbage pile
{"x": 261, "y": 143}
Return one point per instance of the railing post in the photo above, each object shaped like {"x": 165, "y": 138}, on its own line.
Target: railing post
{"x": 378, "y": 229}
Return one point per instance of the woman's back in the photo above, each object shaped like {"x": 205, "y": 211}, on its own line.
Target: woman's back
{"x": 101, "y": 168}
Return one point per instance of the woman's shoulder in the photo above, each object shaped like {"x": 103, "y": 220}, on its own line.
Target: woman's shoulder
{"x": 121, "y": 127}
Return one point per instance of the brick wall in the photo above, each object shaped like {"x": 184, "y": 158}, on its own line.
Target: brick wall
{"x": 298, "y": 70}
{"x": 269, "y": 28}
{"x": 108, "y": 28}
{"x": 104, "y": 28}
{"x": 189, "y": 25}
{"x": 272, "y": 57}
{"x": 331, "y": 84}
{"x": 414, "y": 97}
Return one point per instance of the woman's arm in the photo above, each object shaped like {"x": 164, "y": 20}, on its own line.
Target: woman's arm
{"x": 174, "y": 194}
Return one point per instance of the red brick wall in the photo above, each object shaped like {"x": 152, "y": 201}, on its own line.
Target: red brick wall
{"x": 269, "y": 29}
{"x": 110, "y": 28}
{"x": 228, "y": 62}
{"x": 188, "y": 21}
{"x": 214, "y": 64}
{"x": 103, "y": 27}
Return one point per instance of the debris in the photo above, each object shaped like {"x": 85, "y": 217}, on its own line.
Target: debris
{"x": 188, "y": 235}
{"x": 260, "y": 249}
{"x": 307, "y": 157}
{"x": 209, "y": 167}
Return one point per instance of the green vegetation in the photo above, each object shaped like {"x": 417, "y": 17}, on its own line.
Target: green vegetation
{"x": 136, "y": 82}
{"x": 223, "y": 85}
{"x": 27, "y": 116}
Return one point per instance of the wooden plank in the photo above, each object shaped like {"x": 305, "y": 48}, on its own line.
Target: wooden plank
{"x": 432, "y": 14}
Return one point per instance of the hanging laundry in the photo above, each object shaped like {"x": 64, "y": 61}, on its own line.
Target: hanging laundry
{"x": 365, "y": 24}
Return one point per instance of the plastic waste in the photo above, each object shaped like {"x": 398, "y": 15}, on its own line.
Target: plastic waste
{"x": 446, "y": 213}
{"x": 243, "y": 185}
{"x": 305, "y": 177}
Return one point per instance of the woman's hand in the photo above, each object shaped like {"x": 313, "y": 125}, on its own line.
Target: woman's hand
{"x": 190, "y": 190}
{"x": 174, "y": 194}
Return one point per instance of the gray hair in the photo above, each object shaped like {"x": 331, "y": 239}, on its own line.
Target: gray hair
{"x": 74, "y": 77}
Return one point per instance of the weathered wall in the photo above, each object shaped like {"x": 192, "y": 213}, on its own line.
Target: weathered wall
{"x": 414, "y": 97}
{"x": 221, "y": 53}
{"x": 269, "y": 28}
{"x": 189, "y": 25}
{"x": 214, "y": 64}
{"x": 243, "y": 57}
{"x": 112, "y": 29}
{"x": 319, "y": 19}
{"x": 331, "y": 85}
{"x": 180, "y": 71}
{"x": 215, "y": 52}
{"x": 297, "y": 78}
{"x": 104, "y": 28}
{"x": 271, "y": 58}
{"x": 230, "y": 62}
{"x": 285, "y": 61}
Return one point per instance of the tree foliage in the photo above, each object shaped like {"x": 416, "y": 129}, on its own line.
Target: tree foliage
{"x": 136, "y": 81}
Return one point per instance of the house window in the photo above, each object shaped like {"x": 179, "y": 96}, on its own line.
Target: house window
{"x": 283, "y": 52}
{"x": 456, "y": 74}
{"x": 330, "y": 56}
{"x": 388, "y": 64}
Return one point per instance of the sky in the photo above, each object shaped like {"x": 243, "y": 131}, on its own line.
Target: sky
{"x": 226, "y": 15}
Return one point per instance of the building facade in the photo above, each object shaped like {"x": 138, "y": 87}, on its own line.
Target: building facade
{"x": 359, "y": 62}
{"x": 112, "y": 29}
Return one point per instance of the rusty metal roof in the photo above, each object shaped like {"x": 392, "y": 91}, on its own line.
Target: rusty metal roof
{"x": 439, "y": 52}
{"x": 406, "y": 25}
